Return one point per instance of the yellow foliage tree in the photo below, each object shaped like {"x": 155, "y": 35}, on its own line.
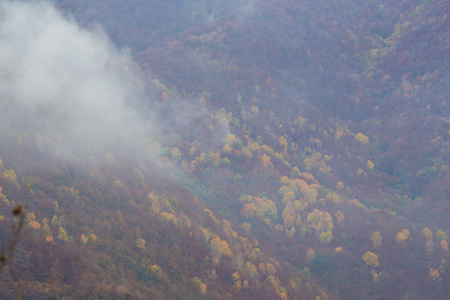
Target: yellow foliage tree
{"x": 339, "y": 216}
{"x": 93, "y": 237}
{"x": 62, "y": 235}
{"x": 192, "y": 151}
{"x": 270, "y": 269}
{"x": 140, "y": 243}
{"x": 263, "y": 208}
{"x": 339, "y": 133}
{"x": 3, "y": 197}
{"x": 156, "y": 271}
{"x": 444, "y": 245}
{"x": 434, "y": 274}
{"x": 289, "y": 215}
{"x": 326, "y": 237}
{"x": 376, "y": 239}
{"x": 310, "y": 194}
{"x": 282, "y": 293}
{"x": 266, "y": 161}
{"x": 197, "y": 283}
{"x": 34, "y": 225}
{"x": 219, "y": 247}
{"x": 290, "y": 232}
{"x": 371, "y": 259}
{"x": 246, "y": 226}
{"x": 168, "y": 217}
{"x": 319, "y": 220}
{"x": 441, "y": 236}
{"x": 206, "y": 234}
{"x": 31, "y": 216}
{"x": 310, "y": 255}
{"x": 427, "y": 234}
{"x": 283, "y": 143}
{"x": 288, "y": 196}
{"x": 370, "y": 165}
{"x": 216, "y": 159}
{"x": 314, "y": 162}
{"x": 254, "y": 146}
{"x": 261, "y": 268}
{"x": 402, "y": 235}
{"x": 236, "y": 276}
{"x": 362, "y": 138}
{"x": 267, "y": 150}
{"x": 11, "y": 176}
{"x": 83, "y": 239}
{"x": 246, "y": 152}
{"x": 272, "y": 282}
{"x": 254, "y": 109}
{"x": 203, "y": 288}
{"x": 284, "y": 180}
{"x": 227, "y": 148}
{"x": 442, "y": 265}
{"x": 175, "y": 153}
{"x": 231, "y": 139}
{"x": 376, "y": 277}
{"x": 237, "y": 285}
{"x": 251, "y": 270}
{"x": 333, "y": 197}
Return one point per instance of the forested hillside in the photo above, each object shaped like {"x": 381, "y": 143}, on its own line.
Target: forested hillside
{"x": 273, "y": 149}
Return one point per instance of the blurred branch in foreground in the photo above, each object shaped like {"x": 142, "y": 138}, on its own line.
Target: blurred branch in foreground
{"x": 19, "y": 212}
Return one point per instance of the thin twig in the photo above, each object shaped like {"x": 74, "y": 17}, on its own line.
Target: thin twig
{"x": 19, "y": 211}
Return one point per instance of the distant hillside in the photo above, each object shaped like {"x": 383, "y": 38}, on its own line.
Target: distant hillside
{"x": 258, "y": 150}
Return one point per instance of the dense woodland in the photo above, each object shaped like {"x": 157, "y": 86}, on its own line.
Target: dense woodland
{"x": 292, "y": 149}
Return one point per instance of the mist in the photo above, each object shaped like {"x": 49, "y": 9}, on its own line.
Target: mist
{"x": 70, "y": 91}
{"x": 65, "y": 87}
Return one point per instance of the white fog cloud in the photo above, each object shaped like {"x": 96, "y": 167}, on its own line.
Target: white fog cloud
{"x": 63, "y": 82}
{"x": 70, "y": 91}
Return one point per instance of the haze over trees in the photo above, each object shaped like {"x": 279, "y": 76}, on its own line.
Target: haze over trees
{"x": 270, "y": 149}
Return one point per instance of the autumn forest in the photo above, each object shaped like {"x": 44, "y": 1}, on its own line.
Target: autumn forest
{"x": 240, "y": 149}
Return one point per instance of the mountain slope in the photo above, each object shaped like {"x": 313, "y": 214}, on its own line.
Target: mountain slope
{"x": 281, "y": 149}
